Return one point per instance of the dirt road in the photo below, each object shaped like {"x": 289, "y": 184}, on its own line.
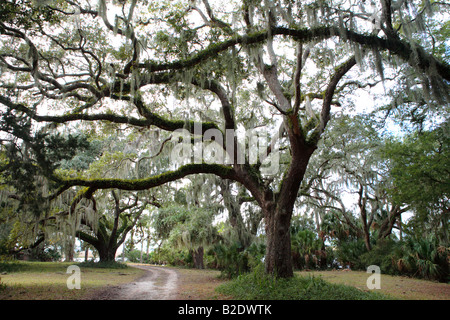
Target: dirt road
{"x": 158, "y": 283}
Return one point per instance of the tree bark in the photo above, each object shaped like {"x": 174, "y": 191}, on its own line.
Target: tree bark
{"x": 86, "y": 254}
{"x": 278, "y": 259}
{"x": 197, "y": 256}
{"x": 107, "y": 254}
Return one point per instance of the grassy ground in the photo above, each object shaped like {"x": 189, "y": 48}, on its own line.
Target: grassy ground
{"x": 396, "y": 286}
{"x": 48, "y": 281}
{"x": 199, "y": 285}
{"x": 202, "y": 284}
{"x": 259, "y": 286}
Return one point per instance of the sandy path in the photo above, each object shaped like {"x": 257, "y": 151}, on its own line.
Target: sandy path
{"x": 158, "y": 283}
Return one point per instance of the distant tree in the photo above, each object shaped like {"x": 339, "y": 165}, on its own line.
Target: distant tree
{"x": 186, "y": 227}
{"x": 107, "y": 233}
{"x": 351, "y": 170}
{"x": 421, "y": 178}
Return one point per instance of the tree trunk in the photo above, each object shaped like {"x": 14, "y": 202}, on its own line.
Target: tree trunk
{"x": 278, "y": 259}
{"x": 107, "y": 254}
{"x": 322, "y": 251}
{"x": 367, "y": 241}
{"x": 365, "y": 225}
{"x": 70, "y": 250}
{"x": 197, "y": 256}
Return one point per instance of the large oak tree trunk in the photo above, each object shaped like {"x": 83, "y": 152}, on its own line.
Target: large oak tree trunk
{"x": 278, "y": 260}
{"x": 278, "y": 211}
{"x": 107, "y": 254}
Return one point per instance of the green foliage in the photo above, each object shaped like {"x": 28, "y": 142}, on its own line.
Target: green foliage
{"x": 83, "y": 158}
{"x": 425, "y": 258}
{"x": 421, "y": 173}
{"x": 135, "y": 255}
{"x": 384, "y": 254}
{"x": 416, "y": 256}
{"x": 421, "y": 169}
{"x": 24, "y": 13}
{"x": 260, "y": 286}
{"x": 48, "y": 254}
{"x": 233, "y": 260}
{"x": 165, "y": 255}
{"x": 30, "y": 164}
{"x": 10, "y": 266}
{"x": 350, "y": 252}
{"x": 185, "y": 227}
{"x": 5, "y": 230}
{"x": 305, "y": 244}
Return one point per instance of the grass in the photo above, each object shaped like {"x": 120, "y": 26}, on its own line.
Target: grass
{"x": 259, "y": 286}
{"x": 398, "y": 287}
{"x": 48, "y": 280}
{"x": 194, "y": 284}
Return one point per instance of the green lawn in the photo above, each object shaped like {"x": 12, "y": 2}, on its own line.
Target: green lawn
{"x": 48, "y": 280}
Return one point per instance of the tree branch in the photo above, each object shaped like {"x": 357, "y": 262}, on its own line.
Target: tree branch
{"x": 395, "y": 46}
{"x": 153, "y": 181}
{"x": 151, "y": 118}
{"x": 328, "y": 97}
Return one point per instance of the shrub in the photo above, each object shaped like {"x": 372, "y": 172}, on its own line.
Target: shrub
{"x": 135, "y": 256}
{"x": 384, "y": 254}
{"x": 169, "y": 256}
{"x": 260, "y": 286}
{"x": 233, "y": 260}
{"x": 425, "y": 258}
{"x": 349, "y": 253}
{"x": 11, "y": 266}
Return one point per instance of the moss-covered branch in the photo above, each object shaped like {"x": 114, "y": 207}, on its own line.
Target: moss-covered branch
{"x": 413, "y": 54}
{"x": 153, "y": 181}
{"x": 151, "y": 119}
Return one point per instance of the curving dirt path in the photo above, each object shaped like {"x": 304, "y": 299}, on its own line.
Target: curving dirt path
{"x": 159, "y": 283}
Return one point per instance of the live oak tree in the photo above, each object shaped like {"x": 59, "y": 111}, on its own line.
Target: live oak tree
{"x": 186, "y": 227}
{"x": 276, "y": 64}
{"x": 107, "y": 233}
{"x": 351, "y": 169}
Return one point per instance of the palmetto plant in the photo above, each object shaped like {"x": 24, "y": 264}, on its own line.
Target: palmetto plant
{"x": 233, "y": 259}
{"x": 305, "y": 243}
{"x": 425, "y": 258}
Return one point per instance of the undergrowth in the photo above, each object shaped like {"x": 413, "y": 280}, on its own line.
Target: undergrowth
{"x": 259, "y": 286}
